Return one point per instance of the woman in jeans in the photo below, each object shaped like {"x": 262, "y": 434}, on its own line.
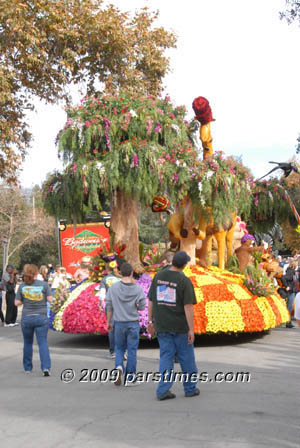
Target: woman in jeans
{"x": 33, "y": 294}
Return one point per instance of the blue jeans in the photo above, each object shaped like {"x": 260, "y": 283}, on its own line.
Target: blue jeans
{"x": 111, "y": 340}
{"x": 39, "y": 325}
{"x": 291, "y": 298}
{"x": 127, "y": 336}
{"x": 169, "y": 344}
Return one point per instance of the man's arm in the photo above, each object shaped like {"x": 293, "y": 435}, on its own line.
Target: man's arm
{"x": 150, "y": 326}
{"x": 109, "y": 325}
{"x": 189, "y": 314}
{"x": 141, "y": 301}
{"x": 109, "y": 309}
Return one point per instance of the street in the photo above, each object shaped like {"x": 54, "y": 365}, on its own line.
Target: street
{"x": 38, "y": 411}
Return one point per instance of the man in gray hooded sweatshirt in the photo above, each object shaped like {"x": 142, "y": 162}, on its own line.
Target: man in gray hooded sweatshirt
{"x": 124, "y": 299}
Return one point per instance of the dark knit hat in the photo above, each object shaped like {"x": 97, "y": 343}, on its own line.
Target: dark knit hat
{"x": 180, "y": 259}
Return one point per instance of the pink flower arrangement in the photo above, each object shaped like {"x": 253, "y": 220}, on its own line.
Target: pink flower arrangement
{"x": 83, "y": 314}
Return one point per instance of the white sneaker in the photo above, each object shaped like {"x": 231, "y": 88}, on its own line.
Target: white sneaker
{"x": 111, "y": 355}
{"x": 15, "y": 324}
{"x": 119, "y": 374}
{"x": 132, "y": 384}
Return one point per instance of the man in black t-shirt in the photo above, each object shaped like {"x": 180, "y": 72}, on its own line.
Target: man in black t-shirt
{"x": 171, "y": 300}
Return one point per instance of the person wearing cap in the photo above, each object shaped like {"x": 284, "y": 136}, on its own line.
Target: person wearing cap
{"x": 171, "y": 315}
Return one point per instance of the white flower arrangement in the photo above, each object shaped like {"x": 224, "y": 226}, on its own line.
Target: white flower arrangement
{"x": 175, "y": 127}
{"x": 100, "y": 167}
{"x": 209, "y": 174}
{"x": 133, "y": 113}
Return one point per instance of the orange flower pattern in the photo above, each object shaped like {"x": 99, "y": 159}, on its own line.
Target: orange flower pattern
{"x": 225, "y": 305}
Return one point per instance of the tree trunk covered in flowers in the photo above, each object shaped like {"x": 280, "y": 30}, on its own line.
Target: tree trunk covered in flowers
{"x": 124, "y": 226}
{"x": 189, "y": 246}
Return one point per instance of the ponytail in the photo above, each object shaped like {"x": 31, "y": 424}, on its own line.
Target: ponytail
{"x": 30, "y": 271}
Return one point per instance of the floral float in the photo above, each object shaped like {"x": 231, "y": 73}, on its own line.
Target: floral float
{"x": 128, "y": 150}
{"x": 224, "y": 305}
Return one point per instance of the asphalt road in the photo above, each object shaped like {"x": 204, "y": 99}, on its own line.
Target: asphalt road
{"x": 46, "y": 412}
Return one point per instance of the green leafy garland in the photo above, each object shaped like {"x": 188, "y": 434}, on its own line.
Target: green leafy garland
{"x": 224, "y": 185}
{"x": 268, "y": 205}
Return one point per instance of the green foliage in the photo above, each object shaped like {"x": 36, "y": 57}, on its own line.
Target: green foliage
{"x": 142, "y": 146}
{"x": 257, "y": 258}
{"x": 151, "y": 229}
{"x": 290, "y": 235}
{"x": 41, "y": 251}
{"x": 232, "y": 265}
{"x": 46, "y": 45}
{"x": 268, "y": 206}
{"x": 137, "y": 144}
{"x": 224, "y": 185}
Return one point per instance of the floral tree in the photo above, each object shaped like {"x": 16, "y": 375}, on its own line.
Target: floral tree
{"x": 220, "y": 188}
{"x": 124, "y": 147}
{"x": 127, "y": 148}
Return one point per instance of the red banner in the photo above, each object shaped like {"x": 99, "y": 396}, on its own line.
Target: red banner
{"x": 87, "y": 240}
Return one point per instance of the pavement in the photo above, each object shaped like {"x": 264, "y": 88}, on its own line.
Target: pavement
{"x": 46, "y": 412}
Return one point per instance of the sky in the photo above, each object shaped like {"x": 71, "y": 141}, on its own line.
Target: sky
{"x": 236, "y": 53}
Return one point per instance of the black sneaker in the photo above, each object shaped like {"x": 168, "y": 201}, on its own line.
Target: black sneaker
{"x": 194, "y": 394}
{"x": 290, "y": 325}
{"x": 46, "y": 373}
{"x": 169, "y": 396}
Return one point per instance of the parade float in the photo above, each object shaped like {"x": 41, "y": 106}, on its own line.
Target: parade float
{"x": 132, "y": 151}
